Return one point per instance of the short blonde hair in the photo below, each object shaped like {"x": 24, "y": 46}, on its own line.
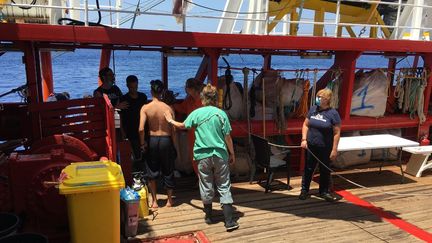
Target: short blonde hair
{"x": 209, "y": 95}
{"x": 326, "y": 93}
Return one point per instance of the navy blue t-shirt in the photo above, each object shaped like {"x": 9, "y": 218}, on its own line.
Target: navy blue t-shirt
{"x": 321, "y": 122}
{"x": 130, "y": 117}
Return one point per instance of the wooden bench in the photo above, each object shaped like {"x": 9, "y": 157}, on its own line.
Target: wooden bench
{"x": 419, "y": 160}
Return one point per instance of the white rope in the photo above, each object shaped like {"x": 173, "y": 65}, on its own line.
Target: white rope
{"x": 399, "y": 91}
{"x": 313, "y": 93}
{"x": 350, "y": 181}
{"x": 335, "y": 89}
{"x": 406, "y": 104}
{"x": 420, "y": 96}
{"x": 420, "y": 103}
{"x": 280, "y": 115}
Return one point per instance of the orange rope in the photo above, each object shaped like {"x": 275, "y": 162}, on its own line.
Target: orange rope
{"x": 302, "y": 109}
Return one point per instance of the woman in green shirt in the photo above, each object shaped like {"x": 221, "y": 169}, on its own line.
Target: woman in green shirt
{"x": 214, "y": 151}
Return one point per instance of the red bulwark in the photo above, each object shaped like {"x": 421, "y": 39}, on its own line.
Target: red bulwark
{"x": 79, "y": 35}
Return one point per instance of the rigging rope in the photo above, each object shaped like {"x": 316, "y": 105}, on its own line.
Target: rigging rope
{"x": 399, "y": 91}
{"x": 302, "y": 109}
{"x": 407, "y": 86}
{"x": 25, "y": 8}
{"x": 334, "y": 87}
{"x": 312, "y": 98}
{"x": 78, "y": 22}
{"x": 293, "y": 102}
{"x": 300, "y": 14}
{"x": 227, "y": 101}
{"x": 224, "y": 11}
{"x": 420, "y": 96}
{"x": 414, "y": 83}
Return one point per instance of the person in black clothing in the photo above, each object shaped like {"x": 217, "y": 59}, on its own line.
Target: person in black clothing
{"x": 130, "y": 116}
{"x": 109, "y": 88}
{"x": 320, "y": 136}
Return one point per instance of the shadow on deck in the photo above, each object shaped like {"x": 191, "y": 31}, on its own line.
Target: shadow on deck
{"x": 281, "y": 216}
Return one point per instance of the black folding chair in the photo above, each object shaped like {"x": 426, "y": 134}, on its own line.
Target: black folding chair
{"x": 262, "y": 159}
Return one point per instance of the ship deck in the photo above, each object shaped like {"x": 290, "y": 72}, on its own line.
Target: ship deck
{"x": 279, "y": 216}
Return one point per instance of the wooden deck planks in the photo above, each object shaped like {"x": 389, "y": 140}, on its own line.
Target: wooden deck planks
{"x": 280, "y": 217}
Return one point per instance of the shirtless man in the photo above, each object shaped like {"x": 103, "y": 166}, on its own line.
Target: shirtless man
{"x": 161, "y": 149}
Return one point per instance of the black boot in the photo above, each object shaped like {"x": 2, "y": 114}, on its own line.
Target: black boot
{"x": 303, "y": 195}
{"x": 208, "y": 213}
{"x": 230, "y": 224}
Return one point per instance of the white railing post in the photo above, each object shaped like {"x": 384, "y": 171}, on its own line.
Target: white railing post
{"x": 285, "y": 29}
{"x": 396, "y": 30}
{"x": 86, "y": 13}
{"x": 258, "y": 24}
{"x": 416, "y": 20}
{"x": 337, "y": 18}
{"x": 249, "y": 23}
{"x": 118, "y": 8}
{"x": 183, "y": 16}
{"x": 74, "y": 14}
{"x": 264, "y": 15}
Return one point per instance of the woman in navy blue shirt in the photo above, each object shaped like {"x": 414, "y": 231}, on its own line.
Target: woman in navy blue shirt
{"x": 320, "y": 136}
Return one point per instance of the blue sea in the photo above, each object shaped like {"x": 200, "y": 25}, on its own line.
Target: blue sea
{"x": 76, "y": 72}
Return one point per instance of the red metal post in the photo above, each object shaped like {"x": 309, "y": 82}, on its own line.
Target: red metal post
{"x": 47, "y": 74}
{"x": 415, "y": 62}
{"x": 346, "y": 61}
{"x": 111, "y": 140}
{"x": 391, "y": 100}
{"x": 32, "y": 66}
{"x": 391, "y": 68}
{"x": 164, "y": 64}
{"x": 202, "y": 70}
{"x": 267, "y": 62}
{"x": 104, "y": 61}
{"x": 212, "y": 69}
{"x": 326, "y": 78}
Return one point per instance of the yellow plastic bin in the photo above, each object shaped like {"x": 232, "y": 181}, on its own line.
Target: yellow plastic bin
{"x": 92, "y": 190}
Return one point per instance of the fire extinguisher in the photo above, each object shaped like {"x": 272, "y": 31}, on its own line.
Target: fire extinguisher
{"x": 425, "y": 141}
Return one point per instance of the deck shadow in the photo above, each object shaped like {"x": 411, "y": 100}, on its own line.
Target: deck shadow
{"x": 255, "y": 208}
{"x": 313, "y": 207}
{"x": 370, "y": 179}
{"x": 251, "y": 200}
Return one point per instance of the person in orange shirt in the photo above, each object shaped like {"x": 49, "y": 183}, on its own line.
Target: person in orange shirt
{"x": 192, "y": 102}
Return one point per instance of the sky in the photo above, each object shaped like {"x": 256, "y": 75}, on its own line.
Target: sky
{"x": 193, "y": 23}
{"x": 160, "y": 22}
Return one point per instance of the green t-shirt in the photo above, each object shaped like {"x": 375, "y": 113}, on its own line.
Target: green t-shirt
{"x": 212, "y": 125}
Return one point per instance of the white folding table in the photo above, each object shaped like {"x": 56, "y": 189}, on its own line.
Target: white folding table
{"x": 376, "y": 142}
{"x": 419, "y": 160}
